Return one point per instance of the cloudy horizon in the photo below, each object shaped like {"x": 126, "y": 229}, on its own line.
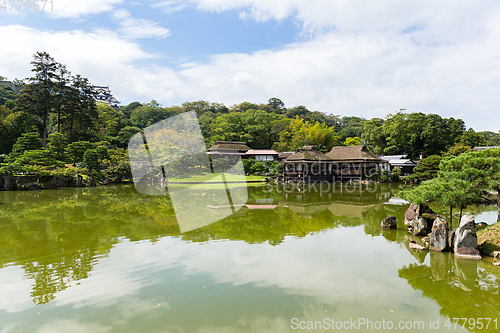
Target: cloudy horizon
{"x": 348, "y": 58}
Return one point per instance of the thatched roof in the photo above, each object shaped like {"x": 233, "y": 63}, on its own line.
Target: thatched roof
{"x": 352, "y": 154}
{"x": 308, "y": 154}
{"x": 230, "y": 145}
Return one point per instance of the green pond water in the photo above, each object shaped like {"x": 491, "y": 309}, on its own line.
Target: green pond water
{"x": 112, "y": 260}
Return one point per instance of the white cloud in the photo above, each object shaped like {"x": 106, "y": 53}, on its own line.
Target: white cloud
{"x": 77, "y": 9}
{"x": 438, "y": 58}
{"x": 138, "y": 28}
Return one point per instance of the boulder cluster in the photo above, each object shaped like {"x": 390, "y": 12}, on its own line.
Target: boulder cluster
{"x": 423, "y": 221}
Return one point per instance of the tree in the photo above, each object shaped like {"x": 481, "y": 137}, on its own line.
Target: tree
{"x": 426, "y": 169}
{"x": 374, "y": 135}
{"x": 355, "y": 141}
{"x": 28, "y": 141}
{"x": 91, "y": 159}
{"x": 36, "y": 97}
{"x": 471, "y": 139}
{"x": 462, "y": 180}
{"x": 76, "y": 150}
{"x": 57, "y": 145}
{"x": 277, "y": 104}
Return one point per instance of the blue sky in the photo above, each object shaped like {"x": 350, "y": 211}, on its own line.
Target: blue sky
{"x": 336, "y": 56}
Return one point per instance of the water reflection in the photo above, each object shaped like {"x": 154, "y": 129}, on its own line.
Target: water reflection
{"x": 286, "y": 253}
{"x": 461, "y": 287}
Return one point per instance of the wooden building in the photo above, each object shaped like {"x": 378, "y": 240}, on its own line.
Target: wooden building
{"x": 270, "y": 155}
{"x": 228, "y": 148}
{"x": 403, "y": 162}
{"x": 354, "y": 163}
{"x": 307, "y": 164}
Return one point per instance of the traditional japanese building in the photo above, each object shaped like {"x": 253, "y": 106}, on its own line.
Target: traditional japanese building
{"x": 401, "y": 161}
{"x": 307, "y": 164}
{"x": 103, "y": 94}
{"x": 270, "y": 155}
{"x": 228, "y": 148}
{"x": 354, "y": 163}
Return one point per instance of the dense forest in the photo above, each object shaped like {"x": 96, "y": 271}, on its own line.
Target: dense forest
{"x": 55, "y": 121}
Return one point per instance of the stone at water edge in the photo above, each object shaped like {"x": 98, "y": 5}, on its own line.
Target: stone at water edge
{"x": 497, "y": 263}
{"x": 426, "y": 216}
{"x": 389, "y": 223}
{"x": 416, "y": 246}
{"x": 439, "y": 236}
{"x": 451, "y": 239}
{"x": 467, "y": 253}
{"x": 495, "y": 254}
{"x": 465, "y": 234}
{"x": 421, "y": 227}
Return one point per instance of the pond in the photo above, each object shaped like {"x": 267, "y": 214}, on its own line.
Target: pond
{"x": 109, "y": 259}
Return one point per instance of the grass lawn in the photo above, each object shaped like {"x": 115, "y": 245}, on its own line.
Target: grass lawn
{"x": 488, "y": 239}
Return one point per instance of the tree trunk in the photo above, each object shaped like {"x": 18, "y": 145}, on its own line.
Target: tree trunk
{"x": 460, "y": 218}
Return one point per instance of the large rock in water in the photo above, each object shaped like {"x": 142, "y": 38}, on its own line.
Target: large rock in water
{"x": 465, "y": 234}
{"x": 419, "y": 219}
{"x": 389, "y": 223}
{"x": 439, "y": 235}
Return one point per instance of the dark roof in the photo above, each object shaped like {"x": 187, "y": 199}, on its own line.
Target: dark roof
{"x": 230, "y": 145}
{"x": 352, "y": 154}
{"x": 308, "y": 154}
{"x": 285, "y": 154}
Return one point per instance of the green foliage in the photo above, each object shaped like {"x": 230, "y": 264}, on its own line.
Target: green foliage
{"x": 57, "y": 145}
{"x": 395, "y": 174}
{"x": 6, "y": 94}
{"x": 355, "y": 141}
{"x": 253, "y": 126}
{"x": 91, "y": 160}
{"x": 28, "y": 141}
{"x": 462, "y": 180}
{"x": 76, "y": 150}
{"x": 301, "y": 133}
{"x": 412, "y": 133}
{"x": 149, "y": 114}
{"x": 426, "y": 169}
{"x": 41, "y": 157}
{"x": 457, "y": 149}
{"x": 471, "y": 139}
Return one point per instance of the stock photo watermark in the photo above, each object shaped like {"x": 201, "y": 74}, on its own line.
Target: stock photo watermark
{"x": 368, "y": 324}
{"x": 27, "y": 5}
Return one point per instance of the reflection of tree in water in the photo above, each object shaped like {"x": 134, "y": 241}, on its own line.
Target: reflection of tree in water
{"x": 459, "y": 286}
{"x": 56, "y": 238}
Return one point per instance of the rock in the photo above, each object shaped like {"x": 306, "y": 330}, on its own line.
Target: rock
{"x": 421, "y": 227}
{"x": 496, "y": 263}
{"x": 481, "y": 225}
{"x": 34, "y": 186}
{"x": 389, "y": 223}
{"x": 106, "y": 182}
{"x": 451, "y": 239}
{"x": 419, "y": 218}
{"x": 91, "y": 181}
{"x": 465, "y": 234}
{"x": 439, "y": 236}
{"x": 468, "y": 253}
{"x": 495, "y": 254}
{"x": 79, "y": 181}
{"x": 416, "y": 246}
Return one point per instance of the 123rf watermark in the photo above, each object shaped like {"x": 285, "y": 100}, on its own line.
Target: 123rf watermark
{"x": 367, "y": 324}
{"x": 27, "y": 5}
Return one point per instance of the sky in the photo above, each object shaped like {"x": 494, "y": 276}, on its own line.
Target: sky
{"x": 341, "y": 57}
